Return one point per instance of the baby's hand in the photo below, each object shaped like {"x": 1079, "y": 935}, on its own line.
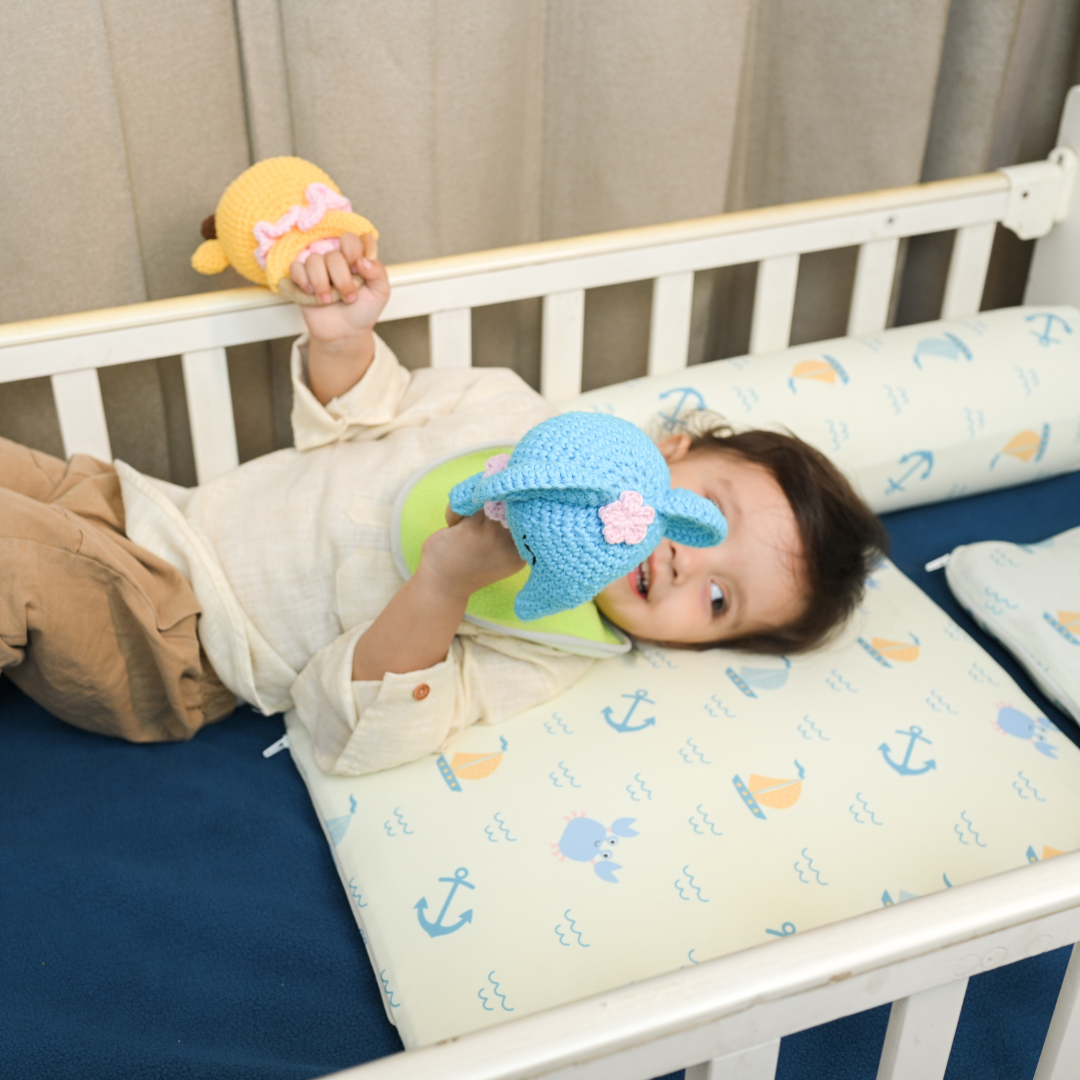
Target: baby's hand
{"x": 360, "y": 307}
{"x": 471, "y": 553}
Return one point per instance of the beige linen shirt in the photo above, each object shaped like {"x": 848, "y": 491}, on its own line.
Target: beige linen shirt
{"x": 289, "y": 556}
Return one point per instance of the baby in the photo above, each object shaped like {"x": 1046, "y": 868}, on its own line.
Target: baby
{"x": 285, "y": 562}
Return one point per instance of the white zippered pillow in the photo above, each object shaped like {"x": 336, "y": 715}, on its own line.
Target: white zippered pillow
{"x": 674, "y": 806}
{"x": 1028, "y": 597}
{"x": 913, "y": 415}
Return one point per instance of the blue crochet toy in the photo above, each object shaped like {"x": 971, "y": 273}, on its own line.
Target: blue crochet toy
{"x": 586, "y": 497}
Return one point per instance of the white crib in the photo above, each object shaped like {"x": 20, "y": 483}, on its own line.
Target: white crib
{"x": 723, "y": 1018}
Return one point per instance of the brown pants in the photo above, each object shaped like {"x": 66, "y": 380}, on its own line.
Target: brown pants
{"x": 93, "y": 627}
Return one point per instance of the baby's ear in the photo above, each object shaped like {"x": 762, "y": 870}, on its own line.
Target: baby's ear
{"x": 691, "y": 519}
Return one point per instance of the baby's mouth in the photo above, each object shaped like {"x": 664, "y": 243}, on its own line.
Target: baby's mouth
{"x": 644, "y": 580}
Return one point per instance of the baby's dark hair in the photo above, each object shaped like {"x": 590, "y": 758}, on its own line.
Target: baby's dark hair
{"x": 841, "y": 537}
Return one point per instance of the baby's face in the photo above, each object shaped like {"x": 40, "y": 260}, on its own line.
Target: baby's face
{"x": 751, "y": 582}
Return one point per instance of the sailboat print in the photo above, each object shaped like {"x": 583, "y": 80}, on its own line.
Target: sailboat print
{"x": 1026, "y": 446}
{"x": 767, "y": 791}
{"x": 825, "y": 371}
{"x": 884, "y": 650}
{"x": 1067, "y": 624}
{"x": 466, "y": 766}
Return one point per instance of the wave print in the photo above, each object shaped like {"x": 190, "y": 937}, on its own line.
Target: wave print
{"x": 1029, "y": 787}
{"x": 387, "y": 991}
{"x": 696, "y": 751}
{"x": 808, "y": 729}
{"x": 559, "y": 723}
{"x": 811, "y": 868}
{"x": 970, "y": 829}
{"x": 865, "y": 809}
{"x": 567, "y": 775}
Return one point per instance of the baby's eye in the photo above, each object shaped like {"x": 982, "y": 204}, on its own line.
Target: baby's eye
{"x": 716, "y": 594}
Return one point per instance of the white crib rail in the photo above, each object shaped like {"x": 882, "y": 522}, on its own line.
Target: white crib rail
{"x": 70, "y": 348}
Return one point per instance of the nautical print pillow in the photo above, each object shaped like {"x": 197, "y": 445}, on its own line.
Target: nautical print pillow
{"x": 1028, "y": 597}
{"x": 913, "y": 415}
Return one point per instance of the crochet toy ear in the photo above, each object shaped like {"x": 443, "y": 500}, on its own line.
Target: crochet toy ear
{"x": 573, "y": 485}
{"x": 463, "y": 499}
{"x": 692, "y": 520}
{"x": 210, "y": 257}
{"x": 576, "y": 487}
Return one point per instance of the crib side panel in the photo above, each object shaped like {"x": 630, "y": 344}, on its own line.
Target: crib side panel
{"x": 446, "y": 290}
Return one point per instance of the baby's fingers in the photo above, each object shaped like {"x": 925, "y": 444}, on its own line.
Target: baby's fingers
{"x": 374, "y": 275}
{"x": 352, "y": 249}
{"x": 340, "y": 275}
{"x": 355, "y": 248}
{"x": 299, "y": 275}
{"x": 319, "y": 278}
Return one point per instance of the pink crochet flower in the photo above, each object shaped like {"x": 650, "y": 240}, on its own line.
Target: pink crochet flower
{"x": 496, "y": 508}
{"x": 627, "y": 520}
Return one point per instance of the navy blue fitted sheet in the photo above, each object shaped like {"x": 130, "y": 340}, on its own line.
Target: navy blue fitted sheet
{"x": 173, "y": 911}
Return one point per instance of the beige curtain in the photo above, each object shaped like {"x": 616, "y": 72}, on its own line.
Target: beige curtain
{"x": 469, "y": 124}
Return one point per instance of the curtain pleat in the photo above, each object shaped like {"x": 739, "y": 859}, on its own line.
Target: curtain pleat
{"x": 469, "y": 124}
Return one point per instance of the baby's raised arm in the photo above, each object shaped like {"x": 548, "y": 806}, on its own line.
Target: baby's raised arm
{"x": 342, "y": 334}
{"x": 415, "y": 629}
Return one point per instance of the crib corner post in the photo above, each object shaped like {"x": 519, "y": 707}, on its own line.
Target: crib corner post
{"x": 1054, "y": 277}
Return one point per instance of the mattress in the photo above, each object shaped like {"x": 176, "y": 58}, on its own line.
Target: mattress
{"x": 677, "y": 806}
{"x": 179, "y": 914}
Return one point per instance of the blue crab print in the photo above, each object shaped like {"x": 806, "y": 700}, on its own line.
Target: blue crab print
{"x": 587, "y": 840}
{"x": 1011, "y": 721}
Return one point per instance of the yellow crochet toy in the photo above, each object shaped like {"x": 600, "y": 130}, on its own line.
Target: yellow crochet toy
{"x": 280, "y": 210}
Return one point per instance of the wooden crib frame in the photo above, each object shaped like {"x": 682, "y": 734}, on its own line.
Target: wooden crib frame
{"x": 723, "y": 1018}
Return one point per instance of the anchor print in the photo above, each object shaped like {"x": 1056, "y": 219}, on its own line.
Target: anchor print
{"x": 914, "y": 734}
{"x": 923, "y": 459}
{"x": 786, "y": 930}
{"x": 438, "y": 928}
{"x": 636, "y": 699}
{"x": 1045, "y": 339}
{"x": 672, "y": 420}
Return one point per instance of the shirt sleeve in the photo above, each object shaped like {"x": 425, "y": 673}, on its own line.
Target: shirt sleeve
{"x": 372, "y": 402}
{"x": 361, "y": 727}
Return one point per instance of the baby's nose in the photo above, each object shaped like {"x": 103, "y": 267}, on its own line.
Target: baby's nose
{"x": 685, "y": 561}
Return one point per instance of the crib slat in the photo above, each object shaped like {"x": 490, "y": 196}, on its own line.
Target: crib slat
{"x": 1060, "y": 1058}
{"x": 967, "y": 270}
{"x": 209, "y": 402}
{"x": 873, "y": 286}
{"x": 757, "y": 1063}
{"x": 81, "y": 413}
{"x": 774, "y": 302}
{"x": 669, "y": 331}
{"x": 920, "y": 1033}
{"x": 451, "y": 338}
{"x": 563, "y": 338}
